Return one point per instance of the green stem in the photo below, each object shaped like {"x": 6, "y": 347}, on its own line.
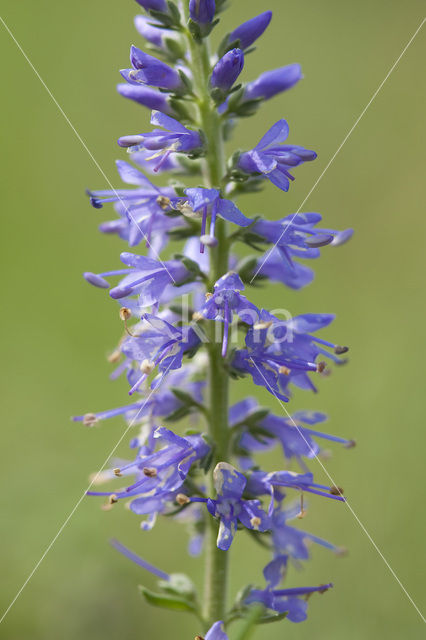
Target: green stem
{"x": 216, "y": 572}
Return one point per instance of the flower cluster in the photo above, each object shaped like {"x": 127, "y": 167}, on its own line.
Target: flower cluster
{"x": 190, "y": 329}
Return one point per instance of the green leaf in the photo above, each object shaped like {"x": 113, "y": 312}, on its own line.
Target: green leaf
{"x": 174, "y": 603}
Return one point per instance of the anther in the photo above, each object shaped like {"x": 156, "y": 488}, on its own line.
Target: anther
{"x": 321, "y": 366}
{"x": 208, "y": 295}
{"x": 90, "y": 419}
{"x": 350, "y": 444}
{"x": 262, "y": 325}
{"x": 182, "y": 499}
{"x": 209, "y": 241}
{"x": 336, "y": 491}
{"x": 163, "y": 202}
{"x": 114, "y": 356}
{"x": 284, "y": 370}
{"x": 255, "y": 522}
{"x": 125, "y": 313}
{"x": 147, "y": 366}
{"x": 338, "y": 350}
{"x": 197, "y": 316}
{"x": 150, "y": 472}
{"x": 323, "y": 588}
{"x": 117, "y": 472}
{"x": 112, "y": 499}
{"x": 198, "y": 638}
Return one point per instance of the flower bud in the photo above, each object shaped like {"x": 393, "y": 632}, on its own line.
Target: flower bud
{"x": 202, "y": 11}
{"x": 227, "y": 70}
{"x": 251, "y": 30}
{"x": 270, "y": 83}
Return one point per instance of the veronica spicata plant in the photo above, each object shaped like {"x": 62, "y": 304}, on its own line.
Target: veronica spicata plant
{"x": 190, "y": 329}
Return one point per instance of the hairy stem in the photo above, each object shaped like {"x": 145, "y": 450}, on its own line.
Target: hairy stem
{"x": 216, "y": 571}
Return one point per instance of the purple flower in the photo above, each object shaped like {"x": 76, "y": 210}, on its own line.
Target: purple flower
{"x": 216, "y": 632}
{"x": 298, "y": 230}
{"x": 287, "y": 601}
{"x": 141, "y": 210}
{"x": 251, "y": 30}
{"x": 158, "y": 474}
{"x": 264, "y": 483}
{"x": 270, "y": 83}
{"x": 149, "y": 70}
{"x": 227, "y": 70}
{"x": 154, "y": 5}
{"x": 176, "y": 139}
{"x": 291, "y": 541}
{"x": 202, "y": 11}
{"x": 145, "y": 96}
{"x": 229, "y": 506}
{"x": 145, "y": 277}
{"x": 227, "y": 300}
{"x": 273, "y": 161}
{"x": 282, "y": 351}
{"x": 282, "y": 268}
{"x": 209, "y": 201}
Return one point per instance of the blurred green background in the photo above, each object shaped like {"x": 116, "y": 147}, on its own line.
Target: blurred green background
{"x": 57, "y": 330}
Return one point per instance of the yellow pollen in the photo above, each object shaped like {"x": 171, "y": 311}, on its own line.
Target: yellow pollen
{"x": 255, "y": 522}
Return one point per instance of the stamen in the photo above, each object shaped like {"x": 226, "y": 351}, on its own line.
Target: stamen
{"x": 255, "y": 522}
{"x": 197, "y": 316}
{"x": 182, "y": 499}
{"x": 125, "y": 314}
{"x": 225, "y": 330}
{"x": 208, "y": 295}
{"x": 203, "y": 228}
{"x": 213, "y": 221}
{"x": 117, "y": 472}
{"x": 321, "y": 366}
{"x": 336, "y": 491}
{"x": 302, "y": 512}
